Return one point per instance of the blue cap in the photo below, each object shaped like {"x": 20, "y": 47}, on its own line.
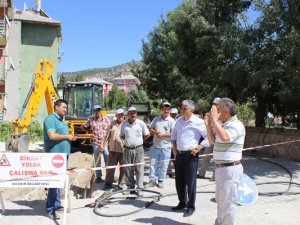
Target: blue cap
{"x": 97, "y": 107}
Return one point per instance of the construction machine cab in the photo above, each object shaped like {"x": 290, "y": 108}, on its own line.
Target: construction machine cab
{"x": 82, "y": 96}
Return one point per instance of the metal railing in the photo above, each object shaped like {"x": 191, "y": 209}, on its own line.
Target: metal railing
{"x": 4, "y": 25}
{"x": 2, "y": 106}
{"x": 2, "y": 72}
{"x": 5, "y": 65}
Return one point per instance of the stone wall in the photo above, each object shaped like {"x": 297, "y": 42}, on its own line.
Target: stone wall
{"x": 264, "y": 136}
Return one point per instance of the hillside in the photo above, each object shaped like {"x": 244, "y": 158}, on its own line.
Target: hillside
{"x": 107, "y": 74}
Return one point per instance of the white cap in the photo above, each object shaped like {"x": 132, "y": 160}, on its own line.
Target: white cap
{"x": 174, "y": 110}
{"x": 216, "y": 101}
{"x": 131, "y": 109}
{"x": 166, "y": 104}
{"x": 120, "y": 111}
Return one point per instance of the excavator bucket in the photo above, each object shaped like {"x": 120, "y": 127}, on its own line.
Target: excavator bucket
{"x": 18, "y": 143}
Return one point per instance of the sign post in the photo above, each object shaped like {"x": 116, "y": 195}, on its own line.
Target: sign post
{"x": 2, "y": 204}
{"x": 20, "y": 170}
{"x": 67, "y": 198}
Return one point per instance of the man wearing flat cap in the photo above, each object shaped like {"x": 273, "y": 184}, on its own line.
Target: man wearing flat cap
{"x": 134, "y": 131}
{"x": 174, "y": 115}
{"x": 116, "y": 150}
{"x": 161, "y": 127}
{"x": 99, "y": 125}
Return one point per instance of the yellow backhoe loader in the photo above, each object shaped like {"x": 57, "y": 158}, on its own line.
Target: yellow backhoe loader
{"x": 81, "y": 96}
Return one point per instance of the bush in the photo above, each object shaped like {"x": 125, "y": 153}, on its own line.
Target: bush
{"x": 35, "y": 132}
{"x": 6, "y": 129}
{"x": 246, "y": 114}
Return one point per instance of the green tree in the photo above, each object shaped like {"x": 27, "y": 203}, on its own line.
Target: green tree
{"x": 137, "y": 95}
{"x": 194, "y": 53}
{"x": 246, "y": 114}
{"x": 273, "y": 60}
{"x": 116, "y": 99}
{"x": 79, "y": 77}
{"x": 204, "y": 49}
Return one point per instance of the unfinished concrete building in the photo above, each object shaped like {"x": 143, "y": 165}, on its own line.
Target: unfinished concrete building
{"x": 31, "y": 35}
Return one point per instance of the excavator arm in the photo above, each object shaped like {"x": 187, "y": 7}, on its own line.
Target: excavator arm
{"x": 42, "y": 86}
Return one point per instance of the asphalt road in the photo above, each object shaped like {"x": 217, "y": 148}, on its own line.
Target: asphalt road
{"x": 269, "y": 209}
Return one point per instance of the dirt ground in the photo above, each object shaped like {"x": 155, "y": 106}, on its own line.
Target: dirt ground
{"x": 80, "y": 183}
{"x": 274, "y": 205}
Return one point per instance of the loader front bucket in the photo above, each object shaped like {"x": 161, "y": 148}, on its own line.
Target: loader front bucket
{"x": 18, "y": 143}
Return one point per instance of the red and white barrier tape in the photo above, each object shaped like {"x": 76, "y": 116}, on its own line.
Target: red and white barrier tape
{"x": 200, "y": 156}
{"x": 141, "y": 163}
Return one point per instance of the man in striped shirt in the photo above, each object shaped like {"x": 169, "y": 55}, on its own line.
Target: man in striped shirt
{"x": 99, "y": 125}
{"x": 228, "y": 138}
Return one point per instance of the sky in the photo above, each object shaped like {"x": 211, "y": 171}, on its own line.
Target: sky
{"x": 102, "y": 33}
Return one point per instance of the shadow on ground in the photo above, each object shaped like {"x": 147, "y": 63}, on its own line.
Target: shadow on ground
{"x": 36, "y": 207}
{"x": 159, "y": 221}
{"x": 254, "y": 167}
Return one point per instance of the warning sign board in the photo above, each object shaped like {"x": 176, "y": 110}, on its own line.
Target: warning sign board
{"x": 33, "y": 170}
{"x": 4, "y": 161}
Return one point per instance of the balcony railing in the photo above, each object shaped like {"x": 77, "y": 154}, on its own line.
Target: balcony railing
{"x": 4, "y": 25}
{"x": 2, "y": 73}
{"x": 2, "y": 106}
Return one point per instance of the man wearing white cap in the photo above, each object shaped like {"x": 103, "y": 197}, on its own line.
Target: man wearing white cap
{"x": 134, "y": 131}
{"x": 174, "y": 115}
{"x": 161, "y": 127}
{"x": 99, "y": 125}
{"x": 116, "y": 150}
{"x": 206, "y": 159}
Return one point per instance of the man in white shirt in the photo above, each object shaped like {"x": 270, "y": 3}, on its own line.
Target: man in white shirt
{"x": 186, "y": 135}
{"x": 134, "y": 131}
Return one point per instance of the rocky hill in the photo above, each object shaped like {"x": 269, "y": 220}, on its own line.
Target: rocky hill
{"x": 107, "y": 74}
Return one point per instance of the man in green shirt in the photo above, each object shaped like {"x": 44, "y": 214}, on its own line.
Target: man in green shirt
{"x": 57, "y": 140}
